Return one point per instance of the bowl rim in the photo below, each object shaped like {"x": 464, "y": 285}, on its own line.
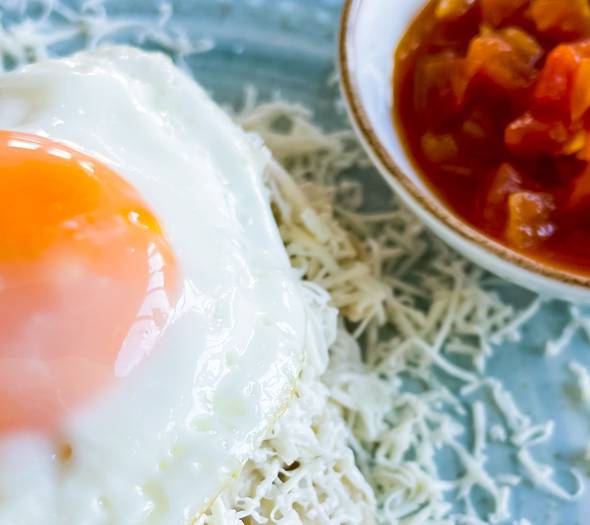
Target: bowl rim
{"x": 439, "y": 213}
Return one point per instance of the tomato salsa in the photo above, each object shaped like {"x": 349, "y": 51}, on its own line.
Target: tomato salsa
{"x": 492, "y": 98}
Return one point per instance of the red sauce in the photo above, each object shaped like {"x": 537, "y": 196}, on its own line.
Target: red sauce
{"x": 492, "y": 98}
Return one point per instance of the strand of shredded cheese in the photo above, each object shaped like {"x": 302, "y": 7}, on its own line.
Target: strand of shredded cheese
{"x": 582, "y": 375}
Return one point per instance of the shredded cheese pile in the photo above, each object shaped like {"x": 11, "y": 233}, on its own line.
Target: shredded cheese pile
{"x": 361, "y": 441}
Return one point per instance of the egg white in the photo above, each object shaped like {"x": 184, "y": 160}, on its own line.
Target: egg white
{"x": 178, "y": 424}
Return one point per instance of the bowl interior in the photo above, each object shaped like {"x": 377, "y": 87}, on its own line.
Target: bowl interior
{"x": 376, "y": 28}
{"x": 370, "y": 34}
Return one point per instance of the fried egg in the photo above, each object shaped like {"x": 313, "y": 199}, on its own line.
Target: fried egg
{"x": 151, "y": 326}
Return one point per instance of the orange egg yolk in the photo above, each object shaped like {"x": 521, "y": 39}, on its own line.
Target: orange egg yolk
{"x": 87, "y": 280}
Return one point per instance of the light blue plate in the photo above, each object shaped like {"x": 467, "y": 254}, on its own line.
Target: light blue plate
{"x": 288, "y": 47}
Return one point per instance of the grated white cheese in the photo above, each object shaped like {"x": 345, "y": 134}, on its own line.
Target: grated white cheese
{"x": 542, "y": 476}
{"x": 29, "y": 39}
{"x": 509, "y": 479}
{"x": 582, "y": 375}
{"x": 498, "y": 433}
{"x": 557, "y": 346}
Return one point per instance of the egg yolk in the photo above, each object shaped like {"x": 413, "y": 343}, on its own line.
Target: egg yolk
{"x": 87, "y": 280}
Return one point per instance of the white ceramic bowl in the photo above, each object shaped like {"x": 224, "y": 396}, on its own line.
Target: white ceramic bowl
{"x": 369, "y": 33}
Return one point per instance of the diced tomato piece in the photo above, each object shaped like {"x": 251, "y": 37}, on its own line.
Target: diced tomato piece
{"x": 505, "y": 181}
{"x": 553, "y": 92}
{"x": 494, "y": 12}
{"x": 562, "y": 18}
{"x": 580, "y": 96}
{"x": 439, "y": 86}
{"x": 439, "y": 148}
{"x": 556, "y": 78}
{"x": 580, "y": 146}
{"x": 528, "y": 136}
{"x": 452, "y": 9}
{"x": 524, "y": 45}
{"x": 577, "y": 145}
{"x": 563, "y": 89}
{"x": 504, "y": 59}
{"x": 529, "y": 219}
{"x": 580, "y": 194}
{"x": 482, "y": 128}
